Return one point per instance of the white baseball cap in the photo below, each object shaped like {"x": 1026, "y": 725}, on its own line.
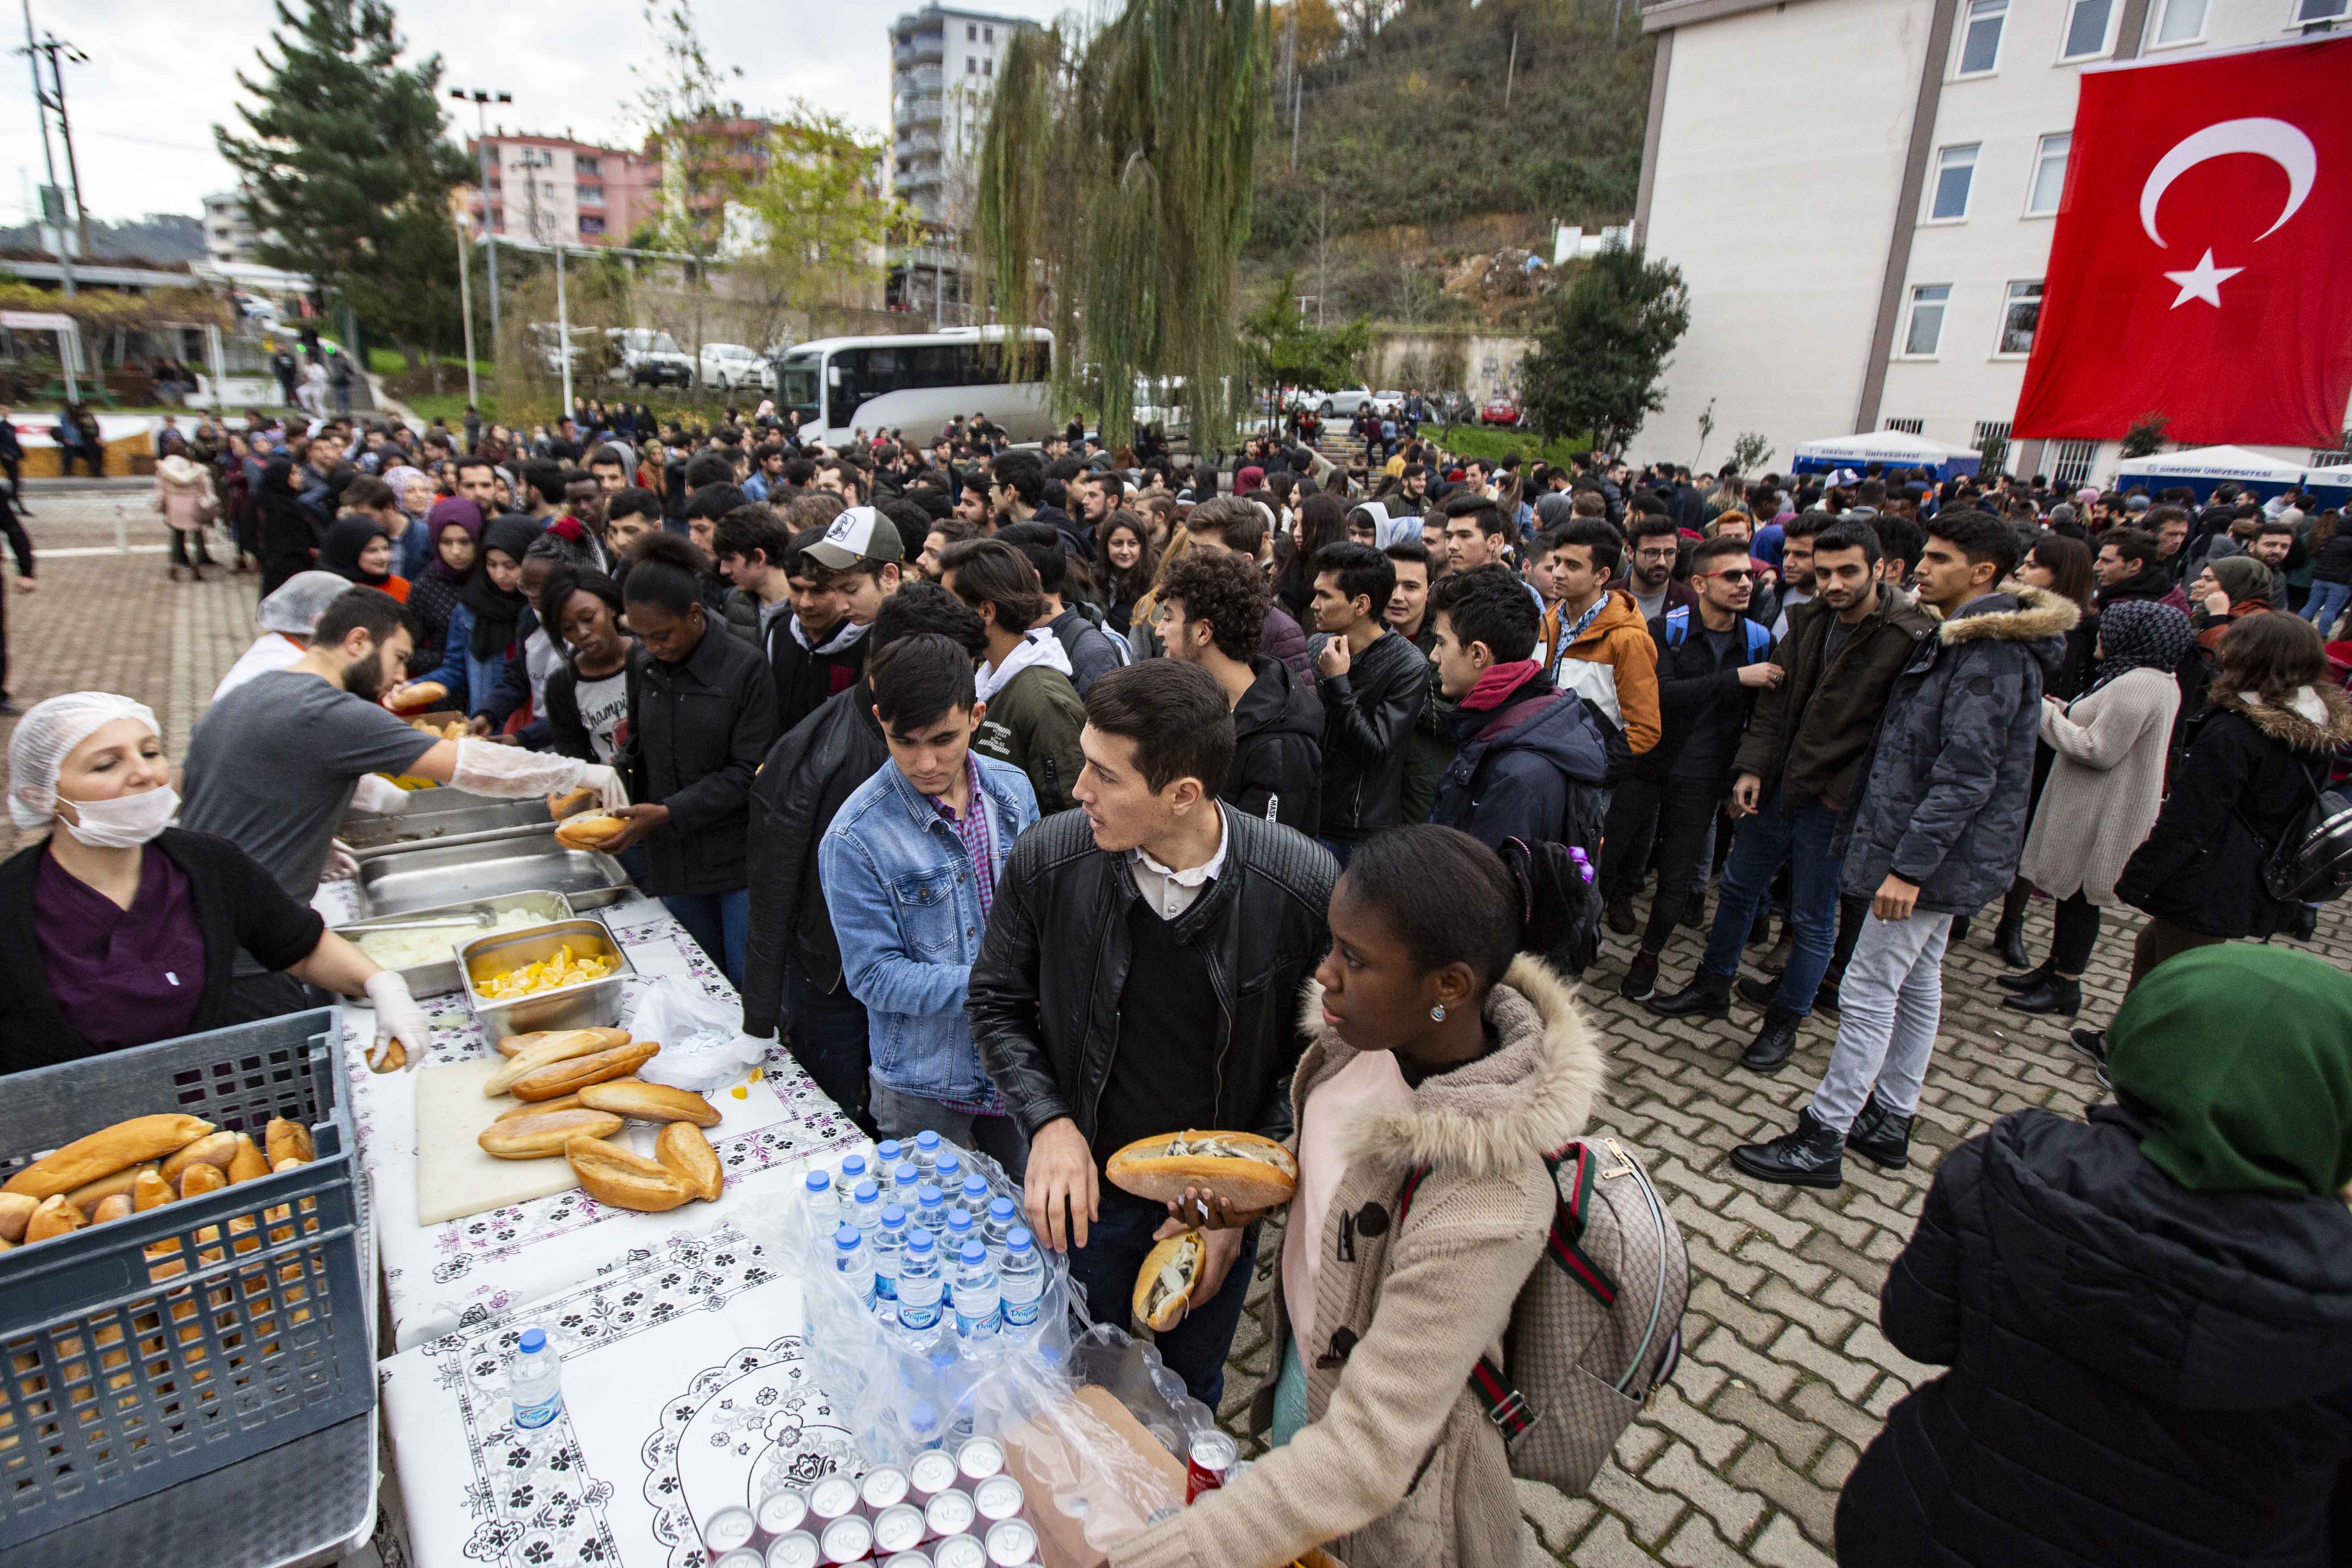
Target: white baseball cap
{"x": 858, "y": 533}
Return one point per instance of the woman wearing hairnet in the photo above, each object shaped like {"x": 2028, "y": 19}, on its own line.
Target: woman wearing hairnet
{"x": 286, "y": 619}
{"x": 120, "y": 930}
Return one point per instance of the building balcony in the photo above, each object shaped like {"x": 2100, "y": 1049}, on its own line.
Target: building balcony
{"x": 923, "y": 49}
{"x": 921, "y": 145}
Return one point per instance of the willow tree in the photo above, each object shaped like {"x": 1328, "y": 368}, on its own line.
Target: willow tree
{"x": 1115, "y": 196}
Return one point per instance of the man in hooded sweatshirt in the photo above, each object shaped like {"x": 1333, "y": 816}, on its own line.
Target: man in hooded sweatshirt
{"x": 1605, "y": 655}
{"x": 1212, "y": 605}
{"x": 1034, "y": 712}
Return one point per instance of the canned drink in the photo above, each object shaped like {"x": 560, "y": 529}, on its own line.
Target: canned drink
{"x": 931, "y": 1473}
{"x": 742, "y": 1558}
{"x": 1011, "y": 1543}
{"x": 783, "y": 1511}
{"x": 909, "y": 1560}
{"x": 980, "y": 1458}
{"x": 899, "y": 1528}
{"x": 795, "y": 1549}
{"x": 997, "y": 1498}
{"x": 885, "y": 1486}
{"x": 833, "y": 1497}
{"x": 959, "y": 1552}
{"x": 950, "y": 1514}
{"x": 728, "y": 1528}
{"x": 848, "y": 1539}
{"x": 1208, "y": 1460}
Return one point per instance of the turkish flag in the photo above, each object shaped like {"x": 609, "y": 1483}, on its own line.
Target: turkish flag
{"x": 2202, "y": 263}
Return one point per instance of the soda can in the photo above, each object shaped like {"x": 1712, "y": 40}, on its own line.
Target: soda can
{"x": 885, "y": 1486}
{"x": 980, "y": 1458}
{"x": 997, "y": 1498}
{"x": 959, "y": 1552}
{"x": 848, "y": 1539}
{"x": 795, "y": 1549}
{"x": 743, "y": 1557}
{"x": 909, "y": 1560}
{"x": 833, "y": 1497}
{"x": 931, "y": 1473}
{"x": 1208, "y": 1460}
{"x": 728, "y": 1528}
{"x": 950, "y": 1514}
{"x": 899, "y": 1528}
{"x": 1011, "y": 1543}
{"x": 782, "y": 1510}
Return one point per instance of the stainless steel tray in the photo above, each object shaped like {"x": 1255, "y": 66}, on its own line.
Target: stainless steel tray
{"x": 590, "y": 1004}
{"x": 442, "y": 817}
{"x": 413, "y": 879}
{"x": 441, "y": 976}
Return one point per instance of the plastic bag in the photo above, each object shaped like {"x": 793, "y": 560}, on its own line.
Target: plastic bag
{"x": 703, "y": 1046}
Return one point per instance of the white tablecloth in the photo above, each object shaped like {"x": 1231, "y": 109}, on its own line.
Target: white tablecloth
{"x": 442, "y": 1278}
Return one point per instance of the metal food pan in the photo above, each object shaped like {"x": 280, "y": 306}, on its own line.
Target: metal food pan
{"x": 427, "y": 878}
{"x": 587, "y": 1004}
{"x": 442, "y": 816}
{"x": 441, "y": 976}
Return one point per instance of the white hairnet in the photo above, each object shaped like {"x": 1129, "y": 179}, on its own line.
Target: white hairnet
{"x": 296, "y": 607}
{"x": 47, "y": 735}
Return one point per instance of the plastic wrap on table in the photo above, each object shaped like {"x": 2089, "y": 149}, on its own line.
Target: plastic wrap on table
{"x": 704, "y": 1048}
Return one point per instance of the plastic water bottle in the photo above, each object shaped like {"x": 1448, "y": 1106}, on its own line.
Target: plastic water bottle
{"x": 865, "y": 1208}
{"x": 976, "y": 1292}
{"x": 889, "y": 1252}
{"x": 535, "y": 1382}
{"x": 920, "y": 1282}
{"x": 927, "y": 1153}
{"x": 974, "y": 1195}
{"x": 886, "y": 1156}
{"x": 854, "y": 1263}
{"x": 923, "y": 1424}
{"x": 930, "y": 1208}
{"x": 947, "y": 1174}
{"x": 819, "y": 1202}
{"x": 999, "y": 1226}
{"x": 960, "y": 1229}
{"x": 853, "y": 1171}
{"x": 906, "y": 1181}
{"x": 1021, "y": 1279}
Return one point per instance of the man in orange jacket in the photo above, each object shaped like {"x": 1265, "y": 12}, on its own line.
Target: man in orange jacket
{"x": 1600, "y": 646}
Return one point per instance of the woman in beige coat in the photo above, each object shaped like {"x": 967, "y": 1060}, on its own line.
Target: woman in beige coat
{"x": 183, "y": 494}
{"x": 2103, "y": 791}
{"x": 1438, "y": 1046}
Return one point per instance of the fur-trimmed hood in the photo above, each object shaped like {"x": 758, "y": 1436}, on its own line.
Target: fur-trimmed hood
{"x": 2317, "y": 719}
{"x": 2037, "y": 614}
{"x": 1533, "y": 1095}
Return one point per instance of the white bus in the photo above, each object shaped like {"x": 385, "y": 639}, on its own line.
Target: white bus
{"x": 918, "y": 381}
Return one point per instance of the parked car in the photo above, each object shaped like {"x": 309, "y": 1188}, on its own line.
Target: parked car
{"x": 1346, "y": 402}
{"x": 1388, "y": 405}
{"x": 1499, "y": 411}
{"x": 728, "y": 366}
{"x": 643, "y": 357}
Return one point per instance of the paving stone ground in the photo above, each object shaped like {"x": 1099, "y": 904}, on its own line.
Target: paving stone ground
{"x": 1785, "y": 1377}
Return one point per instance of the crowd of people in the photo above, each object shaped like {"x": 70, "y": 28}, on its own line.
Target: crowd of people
{"x": 1022, "y": 791}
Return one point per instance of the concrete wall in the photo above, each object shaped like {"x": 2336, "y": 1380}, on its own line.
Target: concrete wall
{"x": 1482, "y": 364}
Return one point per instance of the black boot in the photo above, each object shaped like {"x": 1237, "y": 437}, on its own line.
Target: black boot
{"x": 1620, "y": 915}
{"x": 1756, "y": 992}
{"x": 1775, "y": 1043}
{"x": 1809, "y": 1157}
{"x": 1707, "y": 996}
{"x": 1959, "y": 930}
{"x": 1825, "y": 1000}
{"x": 1694, "y": 911}
{"x": 1782, "y": 951}
{"x": 1760, "y": 927}
{"x": 2027, "y": 981}
{"x": 1880, "y": 1136}
{"x": 2009, "y": 940}
{"x": 2093, "y": 1044}
{"x": 2053, "y": 996}
{"x": 1641, "y": 981}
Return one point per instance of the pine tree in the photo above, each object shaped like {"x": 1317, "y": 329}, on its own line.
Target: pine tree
{"x": 344, "y": 157}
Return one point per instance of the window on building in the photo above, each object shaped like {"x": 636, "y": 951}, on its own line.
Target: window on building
{"x": 970, "y": 65}
{"x": 1980, "y": 39}
{"x": 1911, "y": 426}
{"x": 2070, "y": 468}
{"x": 1956, "y": 171}
{"x": 2329, "y": 459}
{"x": 2182, "y": 22}
{"x": 2307, "y": 12}
{"x": 591, "y": 224}
{"x": 592, "y": 195}
{"x": 988, "y": 68}
{"x": 970, "y": 31}
{"x": 2049, "y": 173}
{"x": 1925, "y": 331}
{"x": 589, "y": 168}
{"x": 2086, "y": 30}
{"x": 988, "y": 35}
{"x": 1991, "y": 444}
{"x": 2019, "y": 312}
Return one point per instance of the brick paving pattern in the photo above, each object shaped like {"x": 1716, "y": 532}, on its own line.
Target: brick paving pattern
{"x": 1785, "y": 1376}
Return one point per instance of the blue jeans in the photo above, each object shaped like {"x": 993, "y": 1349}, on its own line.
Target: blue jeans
{"x": 2327, "y": 603}
{"x": 825, "y": 1032}
{"x": 902, "y": 1115}
{"x": 722, "y": 921}
{"x": 1802, "y": 836}
{"x": 1196, "y": 1349}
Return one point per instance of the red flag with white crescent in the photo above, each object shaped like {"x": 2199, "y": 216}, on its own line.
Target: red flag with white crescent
{"x": 2202, "y": 263}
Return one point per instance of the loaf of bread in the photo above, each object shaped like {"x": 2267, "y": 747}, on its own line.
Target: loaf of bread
{"x": 539, "y": 1107}
{"x": 571, "y": 802}
{"x": 54, "y": 1218}
{"x": 200, "y": 1178}
{"x": 115, "y": 1208}
{"x": 558, "y": 1079}
{"x": 560, "y": 1046}
{"x": 213, "y": 1149}
{"x": 248, "y": 1162}
{"x": 516, "y": 1044}
{"x": 592, "y": 832}
{"x": 416, "y": 697}
{"x": 613, "y": 1175}
{"x": 151, "y": 1191}
{"x": 287, "y": 1140}
{"x": 1247, "y": 1171}
{"x": 650, "y": 1102}
{"x": 1164, "y": 1285}
{"x": 685, "y": 1154}
{"x": 88, "y": 1196}
{"x": 16, "y": 1212}
{"x": 105, "y": 1152}
{"x": 395, "y": 1057}
{"x": 542, "y": 1135}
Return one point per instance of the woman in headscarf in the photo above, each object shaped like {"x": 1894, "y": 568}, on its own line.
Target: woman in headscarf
{"x": 484, "y": 625}
{"x": 2105, "y": 784}
{"x": 284, "y": 525}
{"x": 356, "y": 550}
{"x": 413, "y": 491}
{"x": 2147, "y": 1315}
{"x": 456, "y": 526}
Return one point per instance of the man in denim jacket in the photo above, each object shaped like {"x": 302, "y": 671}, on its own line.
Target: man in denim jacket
{"x": 909, "y": 870}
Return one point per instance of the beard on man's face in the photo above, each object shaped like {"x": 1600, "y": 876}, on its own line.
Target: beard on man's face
{"x": 365, "y": 677}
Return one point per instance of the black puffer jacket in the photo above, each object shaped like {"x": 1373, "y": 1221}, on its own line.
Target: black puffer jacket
{"x": 2140, "y": 1374}
{"x": 1277, "y": 767}
{"x": 1368, "y": 717}
{"x": 697, "y": 732}
{"x": 803, "y": 782}
{"x": 1044, "y": 999}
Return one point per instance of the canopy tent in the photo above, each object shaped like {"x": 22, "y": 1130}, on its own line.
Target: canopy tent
{"x": 2329, "y": 487}
{"x": 1891, "y": 448}
{"x": 2203, "y": 467}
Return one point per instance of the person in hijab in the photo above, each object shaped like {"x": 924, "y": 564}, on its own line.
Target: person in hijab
{"x": 356, "y": 550}
{"x": 283, "y": 525}
{"x": 2146, "y": 1315}
{"x": 484, "y": 633}
{"x": 2225, "y": 592}
{"x": 455, "y": 524}
{"x": 2106, "y": 785}
{"x": 1249, "y": 479}
{"x": 413, "y": 493}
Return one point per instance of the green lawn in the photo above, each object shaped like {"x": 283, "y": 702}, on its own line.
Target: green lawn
{"x": 1482, "y": 441}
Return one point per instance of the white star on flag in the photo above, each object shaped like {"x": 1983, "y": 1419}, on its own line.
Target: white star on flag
{"x": 2202, "y": 281}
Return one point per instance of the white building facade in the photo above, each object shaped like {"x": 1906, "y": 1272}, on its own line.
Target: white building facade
{"x": 943, "y": 69}
{"x": 230, "y": 234}
{"x": 1860, "y": 194}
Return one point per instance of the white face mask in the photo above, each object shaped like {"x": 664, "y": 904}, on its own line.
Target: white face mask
{"x": 124, "y": 822}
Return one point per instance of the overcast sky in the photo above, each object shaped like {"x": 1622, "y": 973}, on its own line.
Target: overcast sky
{"x": 159, "y": 78}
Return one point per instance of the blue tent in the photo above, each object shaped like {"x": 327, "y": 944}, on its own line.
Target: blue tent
{"x": 1890, "y": 448}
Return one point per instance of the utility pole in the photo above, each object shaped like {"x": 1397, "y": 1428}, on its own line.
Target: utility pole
{"x": 48, "y": 156}
{"x": 563, "y": 333}
{"x": 52, "y": 46}
{"x": 1290, "y": 70}
{"x": 466, "y": 303}
{"x": 481, "y": 99}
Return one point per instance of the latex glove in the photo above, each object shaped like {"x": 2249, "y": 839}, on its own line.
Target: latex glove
{"x": 606, "y": 781}
{"x": 341, "y": 864}
{"x": 379, "y": 794}
{"x": 400, "y": 1032}
{"x": 511, "y": 773}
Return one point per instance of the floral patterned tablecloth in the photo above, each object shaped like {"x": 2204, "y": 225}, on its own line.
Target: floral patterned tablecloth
{"x": 444, "y": 1277}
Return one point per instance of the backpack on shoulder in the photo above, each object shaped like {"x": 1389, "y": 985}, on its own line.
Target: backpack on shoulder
{"x": 2312, "y": 861}
{"x": 1597, "y": 1327}
{"x": 1758, "y": 635}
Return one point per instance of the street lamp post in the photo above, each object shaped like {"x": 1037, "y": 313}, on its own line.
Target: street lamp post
{"x": 481, "y": 99}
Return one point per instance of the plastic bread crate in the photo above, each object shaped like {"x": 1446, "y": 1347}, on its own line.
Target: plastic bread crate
{"x": 166, "y": 1344}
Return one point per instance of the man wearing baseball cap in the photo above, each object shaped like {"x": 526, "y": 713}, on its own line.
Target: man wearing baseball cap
{"x": 839, "y": 578}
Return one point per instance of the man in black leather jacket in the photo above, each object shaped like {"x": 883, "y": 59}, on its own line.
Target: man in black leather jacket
{"x": 1374, "y": 684}
{"x": 1140, "y": 976}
